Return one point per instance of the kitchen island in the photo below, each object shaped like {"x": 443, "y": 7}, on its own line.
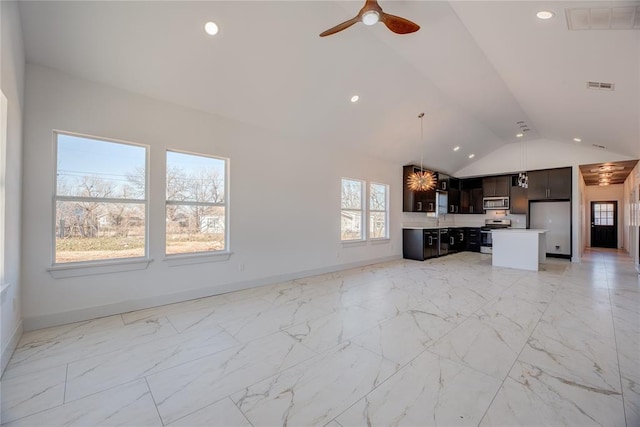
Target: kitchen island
{"x": 518, "y": 248}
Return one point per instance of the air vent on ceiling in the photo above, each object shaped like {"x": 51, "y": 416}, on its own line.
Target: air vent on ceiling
{"x": 600, "y": 85}
{"x": 602, "y": 147}
{"x": 603, "y": 18}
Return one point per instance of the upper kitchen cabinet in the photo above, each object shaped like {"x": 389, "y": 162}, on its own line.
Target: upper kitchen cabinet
{"x": 471, "y": 194}
{"x": 550, "y": 184}
{"x": 454, "y": 196}
{"x": 519, "y": 198}
{"x": 443, "y": 181}
{"x": 496, "y": 186}
{"x": 417, "y": 201}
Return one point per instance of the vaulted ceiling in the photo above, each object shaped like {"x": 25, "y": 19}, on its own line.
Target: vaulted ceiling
{"x": 475, "y": 68}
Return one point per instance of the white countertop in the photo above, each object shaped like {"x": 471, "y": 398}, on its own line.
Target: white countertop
{"x": 519, "y": 230}
{"x": 434, "y": 228}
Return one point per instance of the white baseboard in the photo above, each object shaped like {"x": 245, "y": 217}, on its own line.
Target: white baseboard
{"x": 8, "y": 350}
{"x": 39, "y": 322}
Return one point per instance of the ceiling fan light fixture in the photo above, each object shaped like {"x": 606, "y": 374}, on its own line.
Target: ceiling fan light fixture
{"x": 370, "y": 17}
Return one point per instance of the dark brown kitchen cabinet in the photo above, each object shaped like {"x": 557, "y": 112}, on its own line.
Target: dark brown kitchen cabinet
{"x": 419, "y": 244}
{"x": 550, "y": 184}
{"x": 519, "y": 200}
{"x": 417, "y": 201}
{"x": 454, "y": 196}
{"x": 443, "y": 181}
{"x": 496, "y": 186}
{"x": 471, "y": 194}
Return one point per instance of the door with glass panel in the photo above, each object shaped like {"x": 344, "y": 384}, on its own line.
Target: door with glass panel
{"x": 604, "y": 224}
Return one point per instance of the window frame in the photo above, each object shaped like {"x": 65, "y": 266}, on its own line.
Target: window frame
{"x": 65, "y": 269}
{"x": 385, "y": 211}
{"x": 199, "y": 256}
{"x": 363, "y": 205}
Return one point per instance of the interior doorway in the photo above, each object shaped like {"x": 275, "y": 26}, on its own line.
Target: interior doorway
{"x": 604, "y": 224}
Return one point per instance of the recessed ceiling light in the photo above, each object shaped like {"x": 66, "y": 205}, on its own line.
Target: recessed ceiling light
{"x": 456, "y": 148}
{"x": 519, "y": 135}
{"x": 577, "y": 140}
{"x": 211, "y": 28}
{"x": 471, "y": 156}
{"x": 545, "y": 14}
{"x": 355, "y": 98}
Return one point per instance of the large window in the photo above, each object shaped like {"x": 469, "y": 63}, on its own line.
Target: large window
{"x": 352, "y": 210}
{"x": 100, "y": 199}
{"x": 196, "y": 207}
{"x": 378, "y": 211}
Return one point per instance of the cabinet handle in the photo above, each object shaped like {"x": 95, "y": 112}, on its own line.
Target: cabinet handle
{"x": 471, "y": 209}
{"x": 419, "y": 206}
{"x": 444, "y": 185}
{"x": 451, "y": 240}
{"x": 430, "y": 240}
{"x": 457, "y": 209}
{"x": 430, "y": 206}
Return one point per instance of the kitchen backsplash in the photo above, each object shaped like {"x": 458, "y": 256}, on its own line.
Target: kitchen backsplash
{"x": 417, "y": 219}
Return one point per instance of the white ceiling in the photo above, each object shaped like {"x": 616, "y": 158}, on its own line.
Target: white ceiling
{"x": 475, "y": 68}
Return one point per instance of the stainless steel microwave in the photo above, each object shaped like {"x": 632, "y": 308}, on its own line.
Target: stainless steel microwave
{"x": 495, "y": 203}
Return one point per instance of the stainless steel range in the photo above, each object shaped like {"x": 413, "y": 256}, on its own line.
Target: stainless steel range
{"x": 486, "y": 242}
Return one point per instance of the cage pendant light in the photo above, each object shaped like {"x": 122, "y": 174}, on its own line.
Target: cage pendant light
{"x": 421, "y": 180}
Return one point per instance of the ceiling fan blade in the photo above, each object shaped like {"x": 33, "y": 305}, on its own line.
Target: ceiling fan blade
{"x": 398, "y": 25}
{"x": 340, "y": 27}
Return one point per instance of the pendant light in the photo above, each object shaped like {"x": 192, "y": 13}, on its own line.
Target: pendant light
{"x": 421, "y": 180}
{"x": 523, "y": 178}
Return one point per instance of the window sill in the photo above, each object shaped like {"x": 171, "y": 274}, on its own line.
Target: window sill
{"x": 351, "y": 243}
{"x": 63, "y": 271}
{"x": 196, "y": 258}
{"x": 380, "y": 241}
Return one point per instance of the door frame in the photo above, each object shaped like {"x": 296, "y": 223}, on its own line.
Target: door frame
{"x": 615, "y": 222}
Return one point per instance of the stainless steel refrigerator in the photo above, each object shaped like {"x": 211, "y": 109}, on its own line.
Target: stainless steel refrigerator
{"x": 556, "y": 218}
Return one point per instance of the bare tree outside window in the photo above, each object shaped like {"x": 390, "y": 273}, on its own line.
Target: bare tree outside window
{"x": 100, "y": 209}
{"x": 352, "y": 210}
{"x": 196, "y": 203}
{"x": 378, "y": 215}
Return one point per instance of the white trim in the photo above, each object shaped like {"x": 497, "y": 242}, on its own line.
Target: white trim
{"x": 350, "y": 243}
{"x": 88, "y": 268}
{"x": 196, "y": 258}
{"x": 380, "y": 240}
{"x": 45, "y": 321}
{"x": 8, "y": 350}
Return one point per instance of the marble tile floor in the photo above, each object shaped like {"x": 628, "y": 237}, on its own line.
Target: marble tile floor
{"x": 446, "y": 342}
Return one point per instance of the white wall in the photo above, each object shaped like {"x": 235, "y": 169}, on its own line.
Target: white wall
{"x": 12, "y": 83}
{"x": 284, "y": 200}
{"x": 544, "y": 154}
{"x": 595, "y": 193}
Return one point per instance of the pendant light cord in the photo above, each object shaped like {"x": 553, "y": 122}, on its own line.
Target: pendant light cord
{"x": 421, "y": 117}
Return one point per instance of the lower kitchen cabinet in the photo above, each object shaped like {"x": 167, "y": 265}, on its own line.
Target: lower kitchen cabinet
{"x": 473, "y": 239}
{"x": 419, "y": 243}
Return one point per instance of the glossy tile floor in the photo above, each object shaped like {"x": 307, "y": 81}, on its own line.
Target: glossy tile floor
{"x": 446, "y": 342}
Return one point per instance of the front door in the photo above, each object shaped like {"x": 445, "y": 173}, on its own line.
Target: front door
{"x": 604, "y": 224}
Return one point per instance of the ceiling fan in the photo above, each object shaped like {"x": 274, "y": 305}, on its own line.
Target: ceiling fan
{"x": 370, "y": 14}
